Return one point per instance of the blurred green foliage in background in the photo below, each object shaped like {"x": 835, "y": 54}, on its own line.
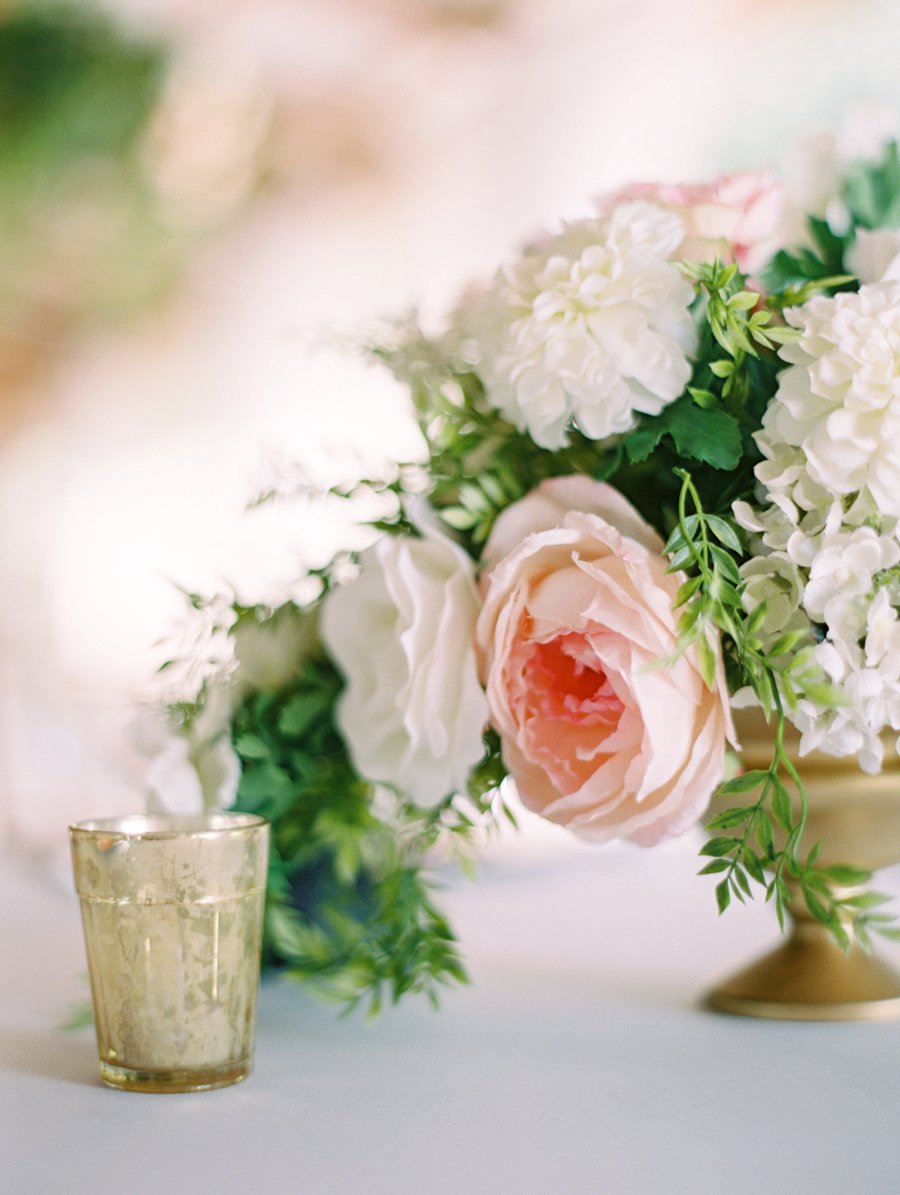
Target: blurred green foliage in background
{"x": 80, "y": 234}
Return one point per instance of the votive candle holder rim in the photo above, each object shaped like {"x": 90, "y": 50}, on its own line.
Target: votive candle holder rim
{"x": 159, "y": 826}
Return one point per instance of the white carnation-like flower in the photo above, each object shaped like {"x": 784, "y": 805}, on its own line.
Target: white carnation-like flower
{"x": 842, "y": 575}
{"x": 588, "y": 328}
{"x": 826, "y": 536}
{"x": 402, "y": 632}
{"x": 840, "y": 400}
{"x": 776, "y": 581}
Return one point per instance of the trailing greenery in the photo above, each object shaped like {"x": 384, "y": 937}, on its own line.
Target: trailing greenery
{"x": 77, "y": 96}
{"x": 350, "y": 905}
{"x": 759, "y": 841}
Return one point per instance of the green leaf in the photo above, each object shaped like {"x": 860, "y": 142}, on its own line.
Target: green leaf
{"x": 720, "y": 846}
{"x": 872, "y": 191}
{"x": 725, "y": 564}
{"x": 781, "y": 806}
{"x": 863, "y": 900}
{"x": 687, "y": 590}
{"x": 712, "y": 437}
{"x": 703, "y": 398}
{"x": 250, "y": 746}
{"x": 458, "y": 518}
{"x": 747, "y": 781}
{"x": 266, "y": 782}
{"x": 851, "y": 877}
{"x": 640, "y": 443}
{"x": 756, "y": 618}
{"x": 714, "y": 866}
{"x": 725, "y": 533}
{"x": 723, "y": 896}
{"x": 729, "y": 818}
{"x": 816, "y": 908}
{"x": 682, "y": 557}
{"x": 743, "y": 884}
{"x": 723, "y": 368}
{"x": 764, "y": 835}
{"x": 706, "y": 658}
{"x": 892, "y": 933}
{"x": 787, "y": 642}
{"x": 299, "y": 713}
{"x": 744, "y": 300}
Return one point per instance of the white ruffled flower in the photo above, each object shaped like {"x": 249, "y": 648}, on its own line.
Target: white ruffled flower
{"x": 402, "y": 632}
{"x": 826, "y": 536}
{"x": 840, "y": 400}
{"x": 588, "y": 328}
{"x": 841, "y": 577}
{"x": 737, "y": 217}
{"x": 883, "y": 637}
{"x": 776, "y": 581}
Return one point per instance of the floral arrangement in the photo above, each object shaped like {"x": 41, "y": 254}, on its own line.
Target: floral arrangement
{"x": 659, "y": 478}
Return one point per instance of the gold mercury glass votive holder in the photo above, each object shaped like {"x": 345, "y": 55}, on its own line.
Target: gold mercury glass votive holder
{"x": 173, "y": 910}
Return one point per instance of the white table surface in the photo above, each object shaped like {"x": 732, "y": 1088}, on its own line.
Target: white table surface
{"x": 578, "y": 1062}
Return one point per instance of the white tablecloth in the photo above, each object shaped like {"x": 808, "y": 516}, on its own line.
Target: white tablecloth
{"x": 578, "y": 1062}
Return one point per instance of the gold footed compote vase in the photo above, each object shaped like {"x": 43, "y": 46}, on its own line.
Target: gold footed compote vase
{"x": 855, "y": 818}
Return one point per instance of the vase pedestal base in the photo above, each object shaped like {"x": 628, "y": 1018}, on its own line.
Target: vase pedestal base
{"x": 809, "y": 978}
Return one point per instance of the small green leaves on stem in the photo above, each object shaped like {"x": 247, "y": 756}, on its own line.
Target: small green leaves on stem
{"x": 350, "y": 893}
{"x": 757, "y": 841}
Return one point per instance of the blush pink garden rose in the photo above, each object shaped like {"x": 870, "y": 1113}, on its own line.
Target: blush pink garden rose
{"x": 738, "y": 217}
{"x": 577, "y": 614}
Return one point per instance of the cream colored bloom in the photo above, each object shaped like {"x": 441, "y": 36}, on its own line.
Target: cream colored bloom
{"x": 826, "y": 536}
{"x": 840, "y": 400}
{"x": 588, "y": 328}
{"x": 402, "y": 632}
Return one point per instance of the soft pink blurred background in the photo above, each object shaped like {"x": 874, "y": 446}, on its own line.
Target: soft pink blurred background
{"x": 317, "y": 164}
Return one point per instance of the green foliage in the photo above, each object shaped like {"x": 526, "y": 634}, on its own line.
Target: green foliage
{"x": 713, "y": 422}
{"x": 794, "y": 275}
{"x": 77, "y": 94}
{"x": 71, "y": 84}
{"x": 871, "y": 191}
{"x": 871, "y": 196}
{"x": 350, "y": 907}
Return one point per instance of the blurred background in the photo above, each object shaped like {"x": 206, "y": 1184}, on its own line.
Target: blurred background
{"x": 205, "y": 203}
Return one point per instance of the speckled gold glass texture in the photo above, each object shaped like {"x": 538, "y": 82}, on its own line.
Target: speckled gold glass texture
{"x": 172, "y": 910}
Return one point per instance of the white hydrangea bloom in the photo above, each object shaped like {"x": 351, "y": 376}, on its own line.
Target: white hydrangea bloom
{"x": 587, "y": 328}
{"x": 776, "y": 581}
{"x": 840, "y": 400}
{"x": 827, "y": 531}
{"x": 841, "y": 576}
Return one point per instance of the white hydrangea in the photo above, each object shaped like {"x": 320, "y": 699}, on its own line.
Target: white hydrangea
{"x": 827, "y": 531}
{"x": 776, "y": 581}
{"x": 587, "y": 328}
{"x": 840, "y": 400}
